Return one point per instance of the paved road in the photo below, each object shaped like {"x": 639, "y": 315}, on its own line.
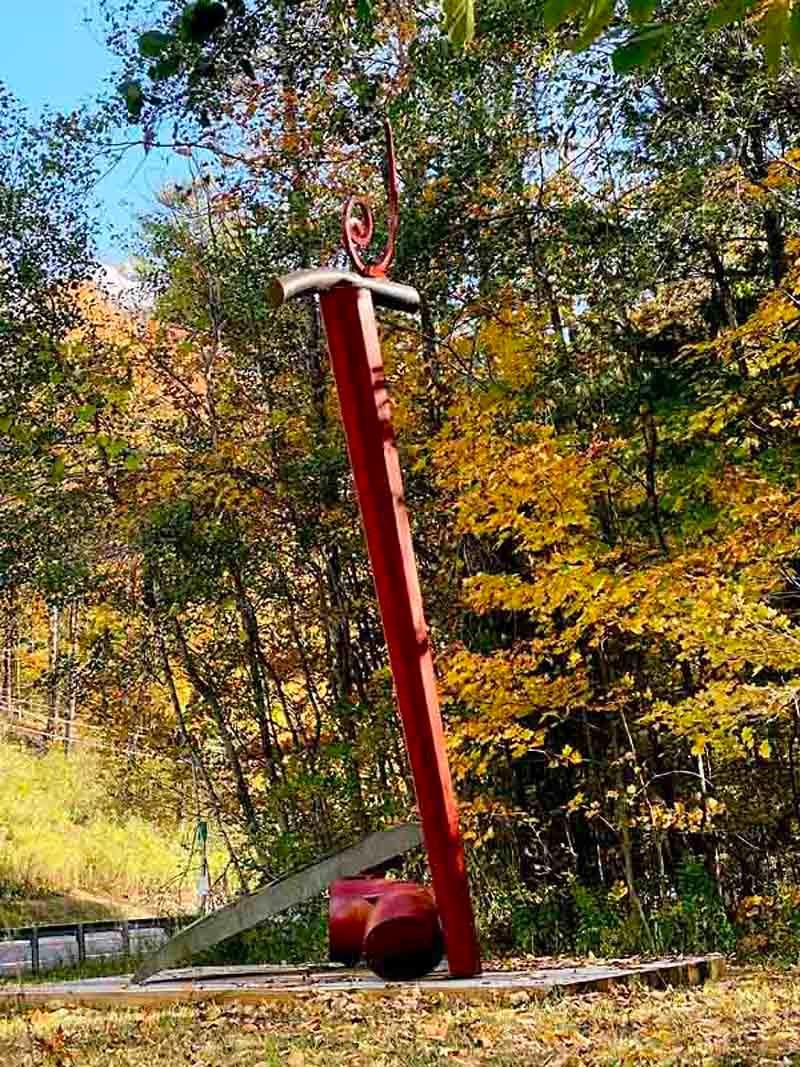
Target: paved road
{"x": 58, "y": 951}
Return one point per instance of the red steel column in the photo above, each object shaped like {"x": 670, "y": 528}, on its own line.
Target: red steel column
{"x": 352, "y": 334}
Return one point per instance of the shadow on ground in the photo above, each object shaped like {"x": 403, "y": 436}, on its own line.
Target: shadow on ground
{"x": 59, "y": 908}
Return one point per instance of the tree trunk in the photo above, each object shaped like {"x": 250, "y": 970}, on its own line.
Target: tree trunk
{"x": 10, "y": 656}
{"x": 651, "y": 454}
{"x": 724, "y": 290}
{"x": 270, "y": 743}
{"x": 209, "y": 694}
{"x": 72, "y": 700}
{"x": 773, "y": 224}
{"x": 54, "y": 664}
{"x": 197, "y": 757}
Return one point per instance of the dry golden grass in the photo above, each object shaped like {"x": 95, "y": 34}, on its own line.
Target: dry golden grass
{"x": 751, "y": 1017}
{"x": 66, "y": 854}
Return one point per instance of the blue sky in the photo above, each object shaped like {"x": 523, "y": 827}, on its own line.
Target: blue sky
{"x": 50, "y": 57}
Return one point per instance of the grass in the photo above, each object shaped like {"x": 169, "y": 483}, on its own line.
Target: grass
{"x": 65, "y": 851}
{"x": 72, "y": 971}
{"x": 751, "y": 1018}
{"x": 78, "y": 906}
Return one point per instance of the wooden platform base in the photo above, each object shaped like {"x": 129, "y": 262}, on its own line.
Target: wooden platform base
{"x": 253, "y": 984}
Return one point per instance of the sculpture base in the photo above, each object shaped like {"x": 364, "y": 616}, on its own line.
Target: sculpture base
{"x": 253, "y": 984}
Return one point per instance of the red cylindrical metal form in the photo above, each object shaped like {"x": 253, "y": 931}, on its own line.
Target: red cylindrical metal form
{"x": 403, "y": 937}
{"x": 348, "y": 916}
{"x": 349, "y": 910}
{"x": 354, "y": 348}
{"x": 371, "y": 889}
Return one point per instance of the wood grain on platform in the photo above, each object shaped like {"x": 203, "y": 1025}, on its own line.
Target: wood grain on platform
{"x": 252, "y": 984}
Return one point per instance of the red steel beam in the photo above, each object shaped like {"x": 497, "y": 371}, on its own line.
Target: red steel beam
{"x": 350, "y": 326}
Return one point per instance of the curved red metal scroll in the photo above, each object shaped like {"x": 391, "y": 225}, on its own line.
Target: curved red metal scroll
{"x": 358, "y": 224}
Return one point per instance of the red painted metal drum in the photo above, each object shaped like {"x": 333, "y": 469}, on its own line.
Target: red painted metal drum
{"x": 369, "y": 888}
{"x": 403, "y": 938}
{"x": 347, "y": 924}
{"x": 351, "y": 904}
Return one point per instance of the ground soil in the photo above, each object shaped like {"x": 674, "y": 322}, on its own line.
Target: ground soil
{"x": 752, "y": 1017}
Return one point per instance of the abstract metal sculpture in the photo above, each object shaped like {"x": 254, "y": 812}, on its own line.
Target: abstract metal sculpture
{"x": 347, "y": 301}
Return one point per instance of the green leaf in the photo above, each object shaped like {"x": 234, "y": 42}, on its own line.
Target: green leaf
{"x": 86, "y": 413}
{"x": 727, "y": 12}
{"x": 165, "y": 67}
{"x": 365, "y": 90}
{"x": 153, "y": 42}
{"x": 365, "y": 13}
{"x": 133, "y": 461}
{"x": 298, "y": 202}
{"x": 641, "y": 48}
{"x": 598, "y": 16}
{"x": 115, "y": 446}
{"x": 555, "y": 12}
{"x": 5, "y": 423}
{"x": 641, "y": 11}
{"x": 459, "y": 21}
{"x": 58, "y": 470}
{"x": 774, "y": 32}
{"x": 132, "y": 94}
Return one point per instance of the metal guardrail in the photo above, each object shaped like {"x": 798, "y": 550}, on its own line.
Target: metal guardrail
{"x": 34, "y": 935}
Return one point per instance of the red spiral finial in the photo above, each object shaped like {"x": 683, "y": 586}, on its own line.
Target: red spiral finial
{"x": 358, "y": 224}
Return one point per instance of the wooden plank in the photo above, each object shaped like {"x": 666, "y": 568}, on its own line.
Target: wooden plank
{"x": 299, "y": 984}
{"x": 35, "y": 949}
{"x": 294, "y": 888}
{"x": 81, "y": 938}
{"x": 126, "y": 938}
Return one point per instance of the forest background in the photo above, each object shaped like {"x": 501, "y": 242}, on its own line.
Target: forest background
{"x": 597, "y": 413}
